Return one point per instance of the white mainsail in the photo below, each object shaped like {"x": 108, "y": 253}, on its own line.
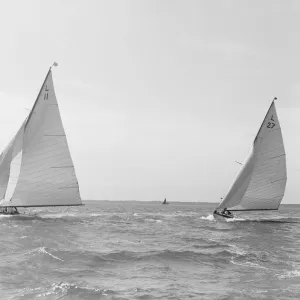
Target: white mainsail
{"x": 260, "y": 184}
{"x": 46, "y": 175}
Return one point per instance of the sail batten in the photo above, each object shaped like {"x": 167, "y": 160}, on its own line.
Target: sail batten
{"x": 260, "y": 184}
{"x": 46, "y": 174}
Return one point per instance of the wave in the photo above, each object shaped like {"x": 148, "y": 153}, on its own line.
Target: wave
{"x": 42, "y": 250}
{"x": 248, "y": 264}
{"x": 69, "y": 290}
{"x": 289, "y": 274}
{"x": 196, "y": 253}
{"x": 273, "y": 220}
{"x": 209, "y": 218}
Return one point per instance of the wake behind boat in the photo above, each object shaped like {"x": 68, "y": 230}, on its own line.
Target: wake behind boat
{"x": 36, "y": 167}
{"x": 260, "y": 184}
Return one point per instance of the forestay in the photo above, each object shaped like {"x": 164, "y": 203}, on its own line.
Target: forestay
{"x": 46, "y": 174}
{"x": 260, "y": 184}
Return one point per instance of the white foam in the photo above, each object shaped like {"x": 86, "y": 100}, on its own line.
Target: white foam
{"x": 236, "y": 250}
{"x": 235, "y": 219}
{"x": 247, "y": 264}
{"x": 43, "y": 250}
{"x": 209, "y": 218}
{"x": 153, "y": 220}
{"x": 290, "y": 274}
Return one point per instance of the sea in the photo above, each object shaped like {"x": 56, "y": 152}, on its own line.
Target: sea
{"x": 145, "y": 250}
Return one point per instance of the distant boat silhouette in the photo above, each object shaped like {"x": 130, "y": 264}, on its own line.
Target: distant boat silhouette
{"x": 165, "y": 201}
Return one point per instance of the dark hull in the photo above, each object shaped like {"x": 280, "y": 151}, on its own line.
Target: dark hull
{"x": 220, "y": 217}
{"x": 8, "y": 211}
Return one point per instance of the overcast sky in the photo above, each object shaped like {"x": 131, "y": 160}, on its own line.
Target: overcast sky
{"x": 158, "y": 98}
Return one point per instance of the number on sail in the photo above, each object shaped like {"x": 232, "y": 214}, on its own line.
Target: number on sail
{"x": 46, "y": 94}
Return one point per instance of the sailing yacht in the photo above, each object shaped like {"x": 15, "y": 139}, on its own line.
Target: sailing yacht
{"x": 260, "y": 183}
{"x": 36, "y": 168}
{"x": 165, "y": 201}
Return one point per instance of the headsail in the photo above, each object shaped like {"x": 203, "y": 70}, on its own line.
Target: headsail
{"x": 46, "y": 176}
{"x": 7, "y": 159}
{"x": 260, "y": 184}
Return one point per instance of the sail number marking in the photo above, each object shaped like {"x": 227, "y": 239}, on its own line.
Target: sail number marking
{"x": 46, "y": 93}
{"x": 271, "y": 124}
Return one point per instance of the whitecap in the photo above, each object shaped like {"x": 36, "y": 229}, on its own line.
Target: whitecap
{"x": 236, "y": 219}
{"x": 290, "y": 274}
{"x": 247, "y": 264}
{"x": 209, "y": 218}
{"x": 43, "y": 250}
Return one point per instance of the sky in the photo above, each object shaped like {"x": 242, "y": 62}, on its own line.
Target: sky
{"x": 158, "y": 98}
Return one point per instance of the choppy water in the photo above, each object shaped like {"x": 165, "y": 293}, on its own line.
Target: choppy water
{"x": 143, "y": 250}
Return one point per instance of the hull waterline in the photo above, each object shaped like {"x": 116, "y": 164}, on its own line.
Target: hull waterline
{"x": 220, "y": 217}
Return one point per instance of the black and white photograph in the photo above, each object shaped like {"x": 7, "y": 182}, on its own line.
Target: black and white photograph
{"x": 150, "y": 150}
